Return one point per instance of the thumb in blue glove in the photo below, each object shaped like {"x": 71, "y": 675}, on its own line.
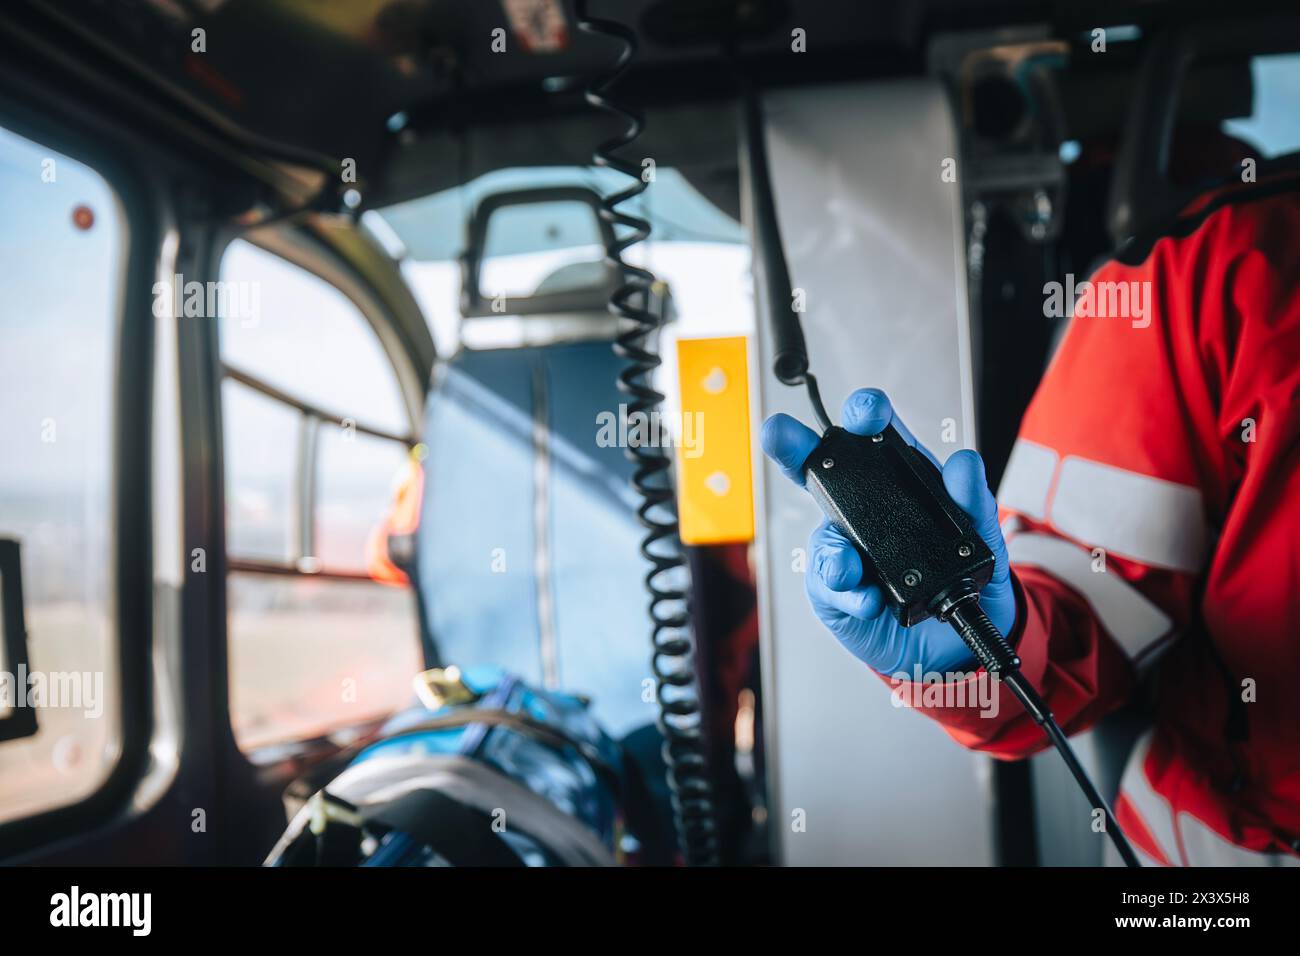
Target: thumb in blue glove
{"x": 853, "y": 607}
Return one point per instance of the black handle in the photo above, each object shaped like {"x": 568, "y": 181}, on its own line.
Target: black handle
{"x": 889, "y": 500}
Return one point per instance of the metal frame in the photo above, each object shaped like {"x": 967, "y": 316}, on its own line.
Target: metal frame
{"x": 347, "y": 258}
{"x": 310, "y": 418}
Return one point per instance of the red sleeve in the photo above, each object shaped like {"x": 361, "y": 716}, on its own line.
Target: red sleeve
{"x": 1111, "y": 492}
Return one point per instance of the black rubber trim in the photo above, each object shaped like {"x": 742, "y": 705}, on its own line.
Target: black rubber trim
{"x": 21, "y": 719}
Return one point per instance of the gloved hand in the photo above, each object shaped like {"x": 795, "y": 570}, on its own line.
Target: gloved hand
{"x": 854, "y": 609}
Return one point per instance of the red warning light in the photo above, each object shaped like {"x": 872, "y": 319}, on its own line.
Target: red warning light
{"x": 83, "y": 217}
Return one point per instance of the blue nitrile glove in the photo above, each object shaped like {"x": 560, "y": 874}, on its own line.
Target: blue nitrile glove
{"x": 854, "y": 609}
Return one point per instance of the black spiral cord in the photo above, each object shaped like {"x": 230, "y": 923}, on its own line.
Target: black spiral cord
{"x": 680, "y": 716}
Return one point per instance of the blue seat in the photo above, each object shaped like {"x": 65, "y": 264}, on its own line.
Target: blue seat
{"x": 513, "y": 457}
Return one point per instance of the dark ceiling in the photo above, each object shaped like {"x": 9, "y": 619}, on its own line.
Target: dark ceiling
{"x": 315, "y": 81}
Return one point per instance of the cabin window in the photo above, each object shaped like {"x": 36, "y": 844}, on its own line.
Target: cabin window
{"x": 1273, "y": 128}
{"x": 315, "y": 433}
{"x": 63, "y": 246}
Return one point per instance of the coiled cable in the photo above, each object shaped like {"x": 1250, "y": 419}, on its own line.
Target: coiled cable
{"x": 673, "y": 660}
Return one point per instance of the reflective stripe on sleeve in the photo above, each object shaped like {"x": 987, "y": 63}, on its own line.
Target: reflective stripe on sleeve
{"x": 1028, "y": 478}
{"x": 1204, "y": 847}
{"x": 1153, "y": 809}
{"x": 1182, "y": 838}
{"x": 1134, "y": 622}
{"x": 1160, "y": 523}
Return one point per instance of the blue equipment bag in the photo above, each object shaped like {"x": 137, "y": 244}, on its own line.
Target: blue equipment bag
{"x": 494, "y": 773}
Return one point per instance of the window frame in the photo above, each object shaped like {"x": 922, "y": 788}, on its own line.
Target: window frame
{"x": 130, "y": 519}
{"x": 303, "y": 248}
{"x": 305, "y": 478}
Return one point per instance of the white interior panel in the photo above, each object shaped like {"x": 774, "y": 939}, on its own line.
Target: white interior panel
{"x": 873, "y": 237}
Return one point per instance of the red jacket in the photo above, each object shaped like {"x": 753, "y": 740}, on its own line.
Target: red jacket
{"x": 1152, "y": 513}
